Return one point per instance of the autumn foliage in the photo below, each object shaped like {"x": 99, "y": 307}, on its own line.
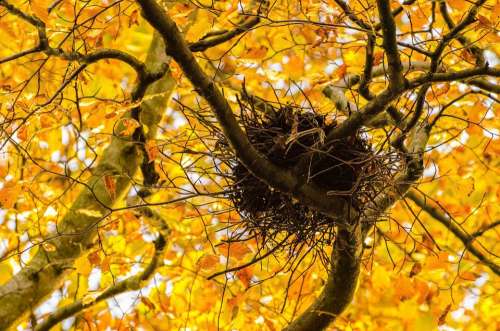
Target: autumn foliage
{"x": 249, "y": 165}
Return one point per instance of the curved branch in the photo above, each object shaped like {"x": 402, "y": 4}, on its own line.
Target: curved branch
{"x": 336, "y": 91}
{"x": 132, "y": 283}
{"x": 44, "y": 47}
{"x": 475, "y": 50}
{"x": 277, "y": 177}
{"x": 214, "y": 40}
{"x": 465, "y": 238}
{"x": 78, "y": 229}
{"x": 484, "y": 85}
{"x": 454, "y": 75}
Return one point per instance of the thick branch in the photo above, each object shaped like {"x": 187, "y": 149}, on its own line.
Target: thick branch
{"x": 336, "y": 91}
{"x": 77, "y": 229}
{"x": 396, "y": 79}
{"x": 454, "y": 76}
{"x": 262, "y": 168}
{"x": 340, "y": 286}
{"x": 484, "y": 85}
{"x": 132, "y": 283}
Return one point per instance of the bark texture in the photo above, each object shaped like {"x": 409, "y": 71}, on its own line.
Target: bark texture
{"x": 78, "y": 229}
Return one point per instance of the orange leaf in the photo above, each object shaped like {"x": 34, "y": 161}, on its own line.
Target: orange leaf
{"x": 40, "y": 10}
{"x": 134, "y": 18}
{"x": 9, "y": 195}
{"x": 152, "y": 150}
{"x": 405, "y": 288}
{"x": 245, "y": 275}
{"x": 467, "y": 275}
{"x": 94, "y": 258}
{"x": 110, "y": 185}
{"x": 129, "y": 126}
{"x": 437, "y": 262}
{"x": 208, "y": 261}
{"x": 22, "y": 133}
{"x": 341, "y": 70}
{"x": 148, "y": 303}
{"x": 484, "y": 21}
{"x": 237, "y": 250}
{"x": 256, "y": 52}
{"x": 378, "y": 57}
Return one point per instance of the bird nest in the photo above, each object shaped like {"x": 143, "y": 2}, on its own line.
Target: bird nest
{"x": 291, "y": 137}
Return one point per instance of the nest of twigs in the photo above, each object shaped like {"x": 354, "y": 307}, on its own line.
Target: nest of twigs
{"x": 289, "y": 136}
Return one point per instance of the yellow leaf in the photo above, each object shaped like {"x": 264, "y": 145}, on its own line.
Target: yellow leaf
{"x": 88, "y": 299}
{"x": 83, "y": 266}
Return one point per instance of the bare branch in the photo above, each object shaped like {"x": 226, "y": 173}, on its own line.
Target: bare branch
{"x": 214, "y": 40}
{"x": 465, "y": 238}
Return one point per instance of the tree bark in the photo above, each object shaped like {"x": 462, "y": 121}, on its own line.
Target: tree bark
{"x": 340, "y": 286}
{"x": 78, "y": 228}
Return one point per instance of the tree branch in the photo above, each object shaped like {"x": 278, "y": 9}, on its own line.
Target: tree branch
{"x": 132, "y": 283}
{"x": 214, "y": 40}
{"x": 475, "y": 50}
{"x": 444, "y": 219}
{"x": 77, "y": 229}
{"x": 340, "y": 286}
{"x": 277, "y": 177}
{"x": 396, "y": 78}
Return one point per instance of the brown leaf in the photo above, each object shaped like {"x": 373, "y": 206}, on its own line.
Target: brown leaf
{"x": 148, "y": 303}
{"x": 442, "y": 317}
{"x": 94, "y": 258}
{"x": 415, "y": 270}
